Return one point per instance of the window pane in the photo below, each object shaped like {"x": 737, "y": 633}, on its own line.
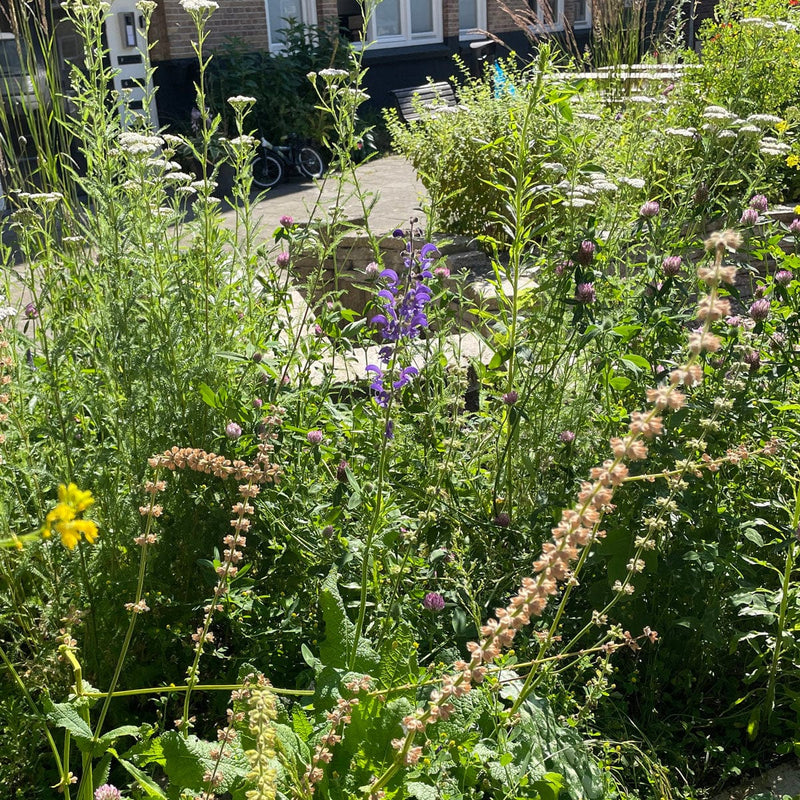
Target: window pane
{"x": 580, "y": 11}
{"x": 279, "y": 12}
{"x": 387, "y": 18}
{"x": 467, "y": 14}
{"x": 421, "y": 16}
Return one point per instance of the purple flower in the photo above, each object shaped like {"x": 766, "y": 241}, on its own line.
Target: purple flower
{"x": 509, "y": 398}
{"x": 282, "y": 259}
{"x": 783, "y": 277}
{"x": 341, "y": 471}
{"x": 233, "y": 431}
{"x": 31, "y": 312}
{"x": 753, "y": 359}
{"x": 749, "y": 217}
{"x": 107, "y": 792}
{"x": 759, "y": 203}
{"x": 567, "y": 436}
{"x": 585, "y": 252}
{"x": 734, "y": 321}
{"x": 650, "y": 209}
{"x": 257, "y": 403}
{"x": 314, "y": 438}
{"x": 257, "y": 357}
{"x": 503, "y": 519}
{"x": 671, "y": 265}
{"x": 328, "y": 532}
{"x": 760, "y": 290}
{"x": 372, "y": 270}
{"x": 585, "y": 293}
{"x": 441, "y": 273}
{"x": 397, "y": 233}
{"x": 564, "y": 266}
{"x": 794, "y": 227}
{"x": 389, "y": 430}
{"x": 759, "y": 311}
{"x": 286, "y": 221}
{"x": 433, "y": 601}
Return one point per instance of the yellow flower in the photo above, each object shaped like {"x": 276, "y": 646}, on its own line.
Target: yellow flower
{"x": 782, "y": 126}
{"x": 63, "y": 518}
{"x": 792, "y": 160}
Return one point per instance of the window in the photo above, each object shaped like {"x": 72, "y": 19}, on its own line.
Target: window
{"x": 396, "y": 23}
{"x": 583, "y": 14}
{"x": 280, "y": 11}
{"x": 549, "y": 13}
{"x": 471, "y": 18}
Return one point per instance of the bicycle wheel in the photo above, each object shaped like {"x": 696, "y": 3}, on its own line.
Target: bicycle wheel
{"x": 310, "y": 162}
{"x": 267, "y": 171}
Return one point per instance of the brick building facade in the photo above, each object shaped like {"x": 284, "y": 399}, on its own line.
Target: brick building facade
{"x": 411, "y": 40}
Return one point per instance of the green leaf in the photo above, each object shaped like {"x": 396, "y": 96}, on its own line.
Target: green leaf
{"x": 549, "y": 786}
{"x": 186, "y": 760}
{"x": 300, "y": 724}
{"x": 422, "y": 791}
{"x": 634, "y": 362}
{"x": 65, "y": 715}
{"x": 336, "y": 649}
{"x": 208, "y": 395}
{"x": 620, "y": 383}
{"x": 146, "y": 783}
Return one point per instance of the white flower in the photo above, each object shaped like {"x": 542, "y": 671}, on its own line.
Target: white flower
{"x": 686, "y": 133}
{"x": 764, "y": 119}
{"x": 5, "y": 310}
{"x": 636, "y": 183}
{"x": 772, "y": 147}
{"x": 590, "y": 117}
{"x": 139, "y": 144}
{"x": 243, "y": 141}
{"x": 240, "y": 101}
{"x": 333, "y": 73}
{"x": 555, "y": 167}
{"x": 605, "y": 186}
{"x": 44, "y": 198}
{"x": 199, "y": 6}
{"x": 578, "y": 202}
{"x": 726, "y": 134}
{"x": 749, "y": 129}
{"x": 178, "y": 177}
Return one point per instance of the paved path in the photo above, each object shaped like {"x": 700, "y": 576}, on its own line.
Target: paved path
{"x": 389, "y": 182}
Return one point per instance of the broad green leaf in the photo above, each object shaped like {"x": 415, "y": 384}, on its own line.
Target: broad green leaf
{"x": 145, "y": 782}
{"x": 336, "y": 648}
{"x": 422, "y": 791}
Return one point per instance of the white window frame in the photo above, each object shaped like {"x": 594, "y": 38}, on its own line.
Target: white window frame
{"x": 405, "y": 38}
{"x": 587, "y": 21}
{"x": 309, "y": 11}
{"x": 558, "y": 17}
{"x": 479, "y": 31}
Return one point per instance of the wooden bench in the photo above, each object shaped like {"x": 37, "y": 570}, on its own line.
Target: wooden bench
{"x": 413, "y": 100}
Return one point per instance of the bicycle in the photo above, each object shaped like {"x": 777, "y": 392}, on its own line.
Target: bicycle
{"x": 274, "y": 162}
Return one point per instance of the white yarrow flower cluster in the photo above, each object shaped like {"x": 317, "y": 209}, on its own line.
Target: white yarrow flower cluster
{"x": 764, "y": 119}
{"x": 201, "y": 7}
{"x": 635, "y": 183}
{"x": 138, "y": 144}
{"x": 6, "y": 311}
{"x": 333, "y": 73}
{"x": 241, "y": 101}
{"x": 685, "y": 133}
{"x": 772, "y": 147}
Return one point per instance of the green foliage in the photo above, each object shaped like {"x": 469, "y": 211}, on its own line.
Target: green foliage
{"x": 750, "y": 57}
{"x": 386, "y": 534}
{"x": 286, "y": 102}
